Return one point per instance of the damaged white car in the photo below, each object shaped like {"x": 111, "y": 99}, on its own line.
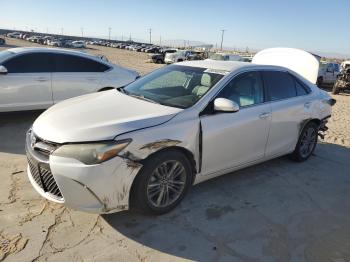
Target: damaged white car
{"x": 145, "y": 145}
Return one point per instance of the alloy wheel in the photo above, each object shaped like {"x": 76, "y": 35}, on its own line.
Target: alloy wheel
{"x": 166, "y": 183}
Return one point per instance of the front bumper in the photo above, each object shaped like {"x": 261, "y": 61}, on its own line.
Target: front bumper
{"x": 102, "y": 188}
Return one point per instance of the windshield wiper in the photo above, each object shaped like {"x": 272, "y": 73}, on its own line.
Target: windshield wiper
{"x": 142, "y": 98}
{"x": 122, "y": 90}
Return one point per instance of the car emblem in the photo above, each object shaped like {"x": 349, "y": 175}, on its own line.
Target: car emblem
{"x": 32, "y": 139}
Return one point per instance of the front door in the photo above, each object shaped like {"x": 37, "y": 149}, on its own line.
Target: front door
{"x": 27, "y": 85}
{"x": 234, "y": 139}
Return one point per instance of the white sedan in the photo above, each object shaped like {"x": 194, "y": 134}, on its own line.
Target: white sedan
{"x": 37, "y": 78}
{"x": 147, "y": 144}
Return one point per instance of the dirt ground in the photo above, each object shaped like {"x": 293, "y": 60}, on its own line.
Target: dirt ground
{"x": 275, "y": 211}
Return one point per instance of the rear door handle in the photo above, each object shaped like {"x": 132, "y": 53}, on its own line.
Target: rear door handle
{"x": 91, "y": 78}
{"x": 264, "y": 115}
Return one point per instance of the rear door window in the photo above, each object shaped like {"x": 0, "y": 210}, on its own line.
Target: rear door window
{"x": 73, "y": 63}
{"x": 280, "y": 85}
{"x": 29, "y": 63}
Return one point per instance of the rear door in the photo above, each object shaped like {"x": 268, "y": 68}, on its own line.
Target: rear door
{"x": 27, "y": 85}
{"x": 290, "y": 105}
{"x": 75, "y": 75}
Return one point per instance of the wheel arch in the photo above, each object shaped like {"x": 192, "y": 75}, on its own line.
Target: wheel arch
{"x": 187, "y": 153}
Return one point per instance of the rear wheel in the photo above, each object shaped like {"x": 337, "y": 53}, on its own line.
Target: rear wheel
{"x": 306, "y": 143}
{"x": 162, "y": 183}
{"x": 319, "y": 82}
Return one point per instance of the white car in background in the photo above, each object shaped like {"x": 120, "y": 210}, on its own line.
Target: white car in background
{"x": 37, "y": 78}
{"x": 224, "y": 57}
{"x": 78, "y": 44}
{"x": 179, "y": 56}
{"x": 185, "y": 123}
{"x": 328, "y": 73}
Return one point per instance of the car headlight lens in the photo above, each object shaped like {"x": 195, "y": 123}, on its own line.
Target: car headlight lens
{"x": 92, "y": 153}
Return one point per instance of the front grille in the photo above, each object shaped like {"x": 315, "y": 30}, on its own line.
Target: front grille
{"x": 38, "y": 152}
{"x": 44, "y": 178}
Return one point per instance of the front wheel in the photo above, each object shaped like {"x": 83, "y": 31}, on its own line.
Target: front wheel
{"x": 162, "y": 183}
{"x": 306, "y": 143}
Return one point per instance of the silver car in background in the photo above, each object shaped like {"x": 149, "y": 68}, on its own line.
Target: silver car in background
{"x": 37, "y": 78}
{"x": 145, "y": 145}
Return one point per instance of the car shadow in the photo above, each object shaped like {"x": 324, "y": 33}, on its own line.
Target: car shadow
{"x": 13, "y": 127}
{"x": 235, "y": 216}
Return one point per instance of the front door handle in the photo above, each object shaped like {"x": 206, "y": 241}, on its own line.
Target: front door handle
{"x": 42, "y": 79}
{"x": 264, "y": 115}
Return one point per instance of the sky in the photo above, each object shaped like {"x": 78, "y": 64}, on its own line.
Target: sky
{"x": 319, "y": 26}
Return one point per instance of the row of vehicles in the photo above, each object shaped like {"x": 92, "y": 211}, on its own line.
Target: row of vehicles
{"x": 49, "y": 40}
{"x": 145, "y": 142}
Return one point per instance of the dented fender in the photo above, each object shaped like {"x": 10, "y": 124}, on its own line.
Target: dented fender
{"x": 183, "y": 134}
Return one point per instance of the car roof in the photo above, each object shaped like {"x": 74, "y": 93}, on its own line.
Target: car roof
{"x": 218, "y": 65}
{"x": 230, "y": 66}
{"x": 22, "y": 50}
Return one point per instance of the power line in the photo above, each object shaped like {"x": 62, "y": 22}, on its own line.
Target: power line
{"x": 222, "y": 37}
{"x": 150, "y": 35}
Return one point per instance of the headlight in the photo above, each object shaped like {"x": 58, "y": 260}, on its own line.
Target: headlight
{"x": 92, "y": 153}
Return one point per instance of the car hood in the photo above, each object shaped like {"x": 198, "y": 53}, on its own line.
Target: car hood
{"x": 99, "y": 116}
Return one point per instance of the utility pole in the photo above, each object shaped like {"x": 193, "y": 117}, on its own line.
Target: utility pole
{"x": 160, "y": 40}
{"x": 122, "y": 37}
{"x": 222, "y": 37}
{"x": 150, "y": 36}
{"x": 130, "y": 38}
{"x": 82, "y": 31}
{"x": 61, "y": 30}
{"x": 109, "y": 33}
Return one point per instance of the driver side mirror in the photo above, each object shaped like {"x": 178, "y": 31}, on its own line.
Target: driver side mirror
{"x": 3, "y": 70}
{"x": 225, "y": 105}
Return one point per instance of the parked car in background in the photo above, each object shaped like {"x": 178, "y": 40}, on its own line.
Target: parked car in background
{"x": 345, "y": 65}
{"x": 179, "y": 56}
{"x": 36, "y": 78}
{"x": 224, "y": 57}
{"x": 14, "y": 35}
{"x": 159, "y": 57}
{"x": 78, "y": 44}
{"x": 145, "y": 146}
{"x": 328, "y": 73}
{"x": 2, "y": 41}
{"x": 343, "y": 81}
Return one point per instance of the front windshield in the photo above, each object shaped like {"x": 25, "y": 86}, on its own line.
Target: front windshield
{"x": 174, "y": 85}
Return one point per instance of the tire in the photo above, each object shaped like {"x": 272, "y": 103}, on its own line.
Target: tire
{"x": 319, "y": 81}
{"x": 306, "y": 143}
{"x": 159, "y": 61}
{"x": 149, "y": 183}
{"x": 335, "y": 89}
